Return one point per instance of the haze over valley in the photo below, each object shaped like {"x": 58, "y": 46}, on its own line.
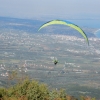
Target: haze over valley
{"x": 25, "y": 50}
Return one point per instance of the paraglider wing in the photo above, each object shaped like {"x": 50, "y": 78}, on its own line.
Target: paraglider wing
{"x": 67, "y": 23}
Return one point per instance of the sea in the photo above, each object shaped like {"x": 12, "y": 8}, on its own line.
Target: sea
{"x": 89, "y": 23}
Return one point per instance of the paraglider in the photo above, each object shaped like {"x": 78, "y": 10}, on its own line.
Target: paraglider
{"x": 55, "y": 61}
{"x": 67, "y": 23}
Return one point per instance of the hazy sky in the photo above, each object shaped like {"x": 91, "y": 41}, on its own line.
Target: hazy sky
{"x": 50, "y": 8}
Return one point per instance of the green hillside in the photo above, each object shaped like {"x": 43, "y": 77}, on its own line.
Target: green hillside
{"x": 33, "y": 90}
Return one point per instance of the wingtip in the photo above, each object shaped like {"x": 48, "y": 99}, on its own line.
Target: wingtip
{"x": 39, "y": 29}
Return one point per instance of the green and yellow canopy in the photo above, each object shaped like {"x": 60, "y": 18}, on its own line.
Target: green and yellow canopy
{"x": 67, "y": 23}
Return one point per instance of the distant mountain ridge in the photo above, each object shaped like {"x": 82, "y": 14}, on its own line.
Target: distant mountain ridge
{"x": 32, "y": 26}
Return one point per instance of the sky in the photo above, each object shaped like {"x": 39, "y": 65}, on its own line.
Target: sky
{"x": 50, "y": 8}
